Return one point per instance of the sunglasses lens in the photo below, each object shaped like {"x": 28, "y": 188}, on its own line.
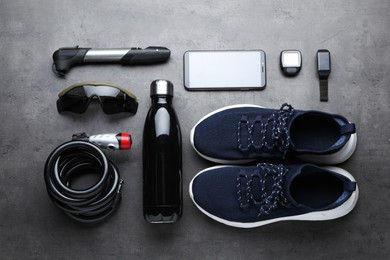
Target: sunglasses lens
{"x": 112, "y": 99}
{"x": 74, "y": 101}
{"x": 118, "y": 104}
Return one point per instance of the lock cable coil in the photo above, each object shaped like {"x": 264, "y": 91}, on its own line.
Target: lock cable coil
{"x": 75, "y": 158}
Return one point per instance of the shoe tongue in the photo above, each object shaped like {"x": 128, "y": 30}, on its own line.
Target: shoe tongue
{"x": 268, "y": 133}
{"x": 269, "y": 185}
{"x": 257, "y": 186}
{"x": 258, "y": 130}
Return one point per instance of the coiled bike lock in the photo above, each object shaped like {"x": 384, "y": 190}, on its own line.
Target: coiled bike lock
{"x": 79, "y": 157}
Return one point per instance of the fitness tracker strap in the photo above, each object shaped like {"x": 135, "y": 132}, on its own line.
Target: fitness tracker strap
{"x": 324, "y": 69}
{"x": 323, "y": 89}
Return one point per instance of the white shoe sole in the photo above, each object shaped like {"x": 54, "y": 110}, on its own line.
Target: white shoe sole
{"x": 327, "y": 159}
{"x": 338, "y": 212}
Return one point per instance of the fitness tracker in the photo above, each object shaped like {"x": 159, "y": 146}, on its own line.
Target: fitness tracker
{"x": 290, "y": 62}
{"x": 323, "y": 68}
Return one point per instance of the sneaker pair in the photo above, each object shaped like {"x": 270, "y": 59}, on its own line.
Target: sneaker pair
{"x": 251, "y": 196}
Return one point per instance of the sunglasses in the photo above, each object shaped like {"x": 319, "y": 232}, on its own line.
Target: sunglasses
{"x": 112, "y": 98}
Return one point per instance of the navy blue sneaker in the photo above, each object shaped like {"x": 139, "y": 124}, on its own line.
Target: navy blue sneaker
{"x": 254, "y": 196}
{"x": 243, "y": 133}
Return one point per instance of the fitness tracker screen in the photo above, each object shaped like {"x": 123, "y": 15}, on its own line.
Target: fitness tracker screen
{"x": 323, "y": 61}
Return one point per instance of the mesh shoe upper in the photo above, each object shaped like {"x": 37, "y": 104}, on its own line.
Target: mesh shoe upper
{"x": 249, "y": 132}
{"x": 257, "y": 193}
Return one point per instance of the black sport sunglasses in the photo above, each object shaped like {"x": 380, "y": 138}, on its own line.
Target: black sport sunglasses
{"x": 112, "y": 98}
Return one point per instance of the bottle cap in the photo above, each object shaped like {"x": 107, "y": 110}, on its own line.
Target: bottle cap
{"x": 161, "y": 87}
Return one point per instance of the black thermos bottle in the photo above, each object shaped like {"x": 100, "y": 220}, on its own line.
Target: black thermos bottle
{"x": 162, "y": 157}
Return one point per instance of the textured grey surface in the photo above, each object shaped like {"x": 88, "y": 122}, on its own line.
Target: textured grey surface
{"x": 355, "y": 31}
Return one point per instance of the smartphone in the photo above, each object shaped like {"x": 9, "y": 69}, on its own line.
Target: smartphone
{"x": 224, "y": 70}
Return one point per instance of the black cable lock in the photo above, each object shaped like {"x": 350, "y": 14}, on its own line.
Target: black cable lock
{"x": 81, "y": 156}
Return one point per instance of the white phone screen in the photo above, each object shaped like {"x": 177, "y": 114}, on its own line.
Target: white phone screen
{"x": 224, "y": 69}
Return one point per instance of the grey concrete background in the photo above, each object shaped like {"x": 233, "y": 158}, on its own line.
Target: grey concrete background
{"x": 355, "y": 31}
